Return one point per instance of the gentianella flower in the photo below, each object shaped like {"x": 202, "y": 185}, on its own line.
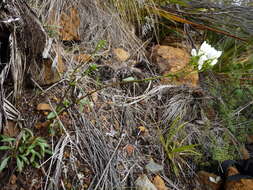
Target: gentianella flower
{"x": 206, "y": 54}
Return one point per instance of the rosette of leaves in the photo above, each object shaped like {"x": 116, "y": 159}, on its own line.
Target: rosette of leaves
{"x": 24, "y": 150}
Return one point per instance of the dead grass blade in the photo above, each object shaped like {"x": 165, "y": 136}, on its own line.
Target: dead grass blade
{"x": 171, "y": 16}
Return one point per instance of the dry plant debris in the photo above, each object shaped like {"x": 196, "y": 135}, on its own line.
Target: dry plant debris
{"x": 107, "y": 136}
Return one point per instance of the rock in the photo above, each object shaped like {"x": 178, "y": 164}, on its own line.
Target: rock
{"x": 69, "y": 23}
{"x": 13, "y": 179}
{"x": 159, "y": 183}
{"x": 50, "y": 75}
{"x": 44, "y": 107}
{"x": 245, "y": 153}
{"x": 121, "y": 54}
{"x": 48, "y": 71}
{"x": 153, "y": 167}
{"x": 242, "y": 184}
{"x": 208, "y": 181}
{"x": 41, "y": 125}
{"x": 235, "y": 181}
{"x": 143, "y": 183}
{"x": 171, "y": 60}
{"x": 250, "y": 139}
{"x": 129, "y": 149}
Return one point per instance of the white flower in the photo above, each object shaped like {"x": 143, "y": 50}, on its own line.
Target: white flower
{"x": 194, "y": 52}
{"x": 206, "y": 53}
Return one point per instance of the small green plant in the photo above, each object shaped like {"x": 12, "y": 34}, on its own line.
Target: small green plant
{"x": 25, "y": 150}
{"x": 176, "y": 149}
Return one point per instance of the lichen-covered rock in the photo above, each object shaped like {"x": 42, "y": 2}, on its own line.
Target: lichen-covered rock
{"x": 143, "y": 183}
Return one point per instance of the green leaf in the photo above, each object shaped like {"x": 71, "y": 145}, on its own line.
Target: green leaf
{"x": 51, "y": 115}
{"x": 34, "y": 153}
{"x": 82, "y": 102}
{"x": 28, "y": 131}
{"x": 32, "y": 158}
{"x": 66, "y": 103}
{"x": 129, "y": 79}
{"x": 36, "y": 165}
{"x": 32, "y": 146}
{"x": 8, "y": 139}
{"x": 24, "y": 159}
{"x": 49, "y": 152}
{"x": 41, "y": 140}
{"x": 21, "y": 149}
{"x": 179, "y": 2}
{"x": 5, "y": 148}
{"x": 20, "y": 164}
{"x": 93, "y": 67}
{"x": 101, "y": 44}
{"x": 186, "y": 148}
{"x": 42, "y": 147}
{"x": 4, "y": 163}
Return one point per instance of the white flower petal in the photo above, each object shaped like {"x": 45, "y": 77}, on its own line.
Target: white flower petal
{"x": 200, "y": 66}
{"x": 219, "y": 54}
{"x": 205, "y": 47}
{"x": 206, "y": 53}
{"x": 202, "y": 59}
{"x": 194, "y": 52}
{"x": 214, "y": 62}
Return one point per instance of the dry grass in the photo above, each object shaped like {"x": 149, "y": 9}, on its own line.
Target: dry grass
{"x": 92, "y": 141}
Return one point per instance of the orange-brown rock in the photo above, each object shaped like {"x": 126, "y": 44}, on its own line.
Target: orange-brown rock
{"x": 159, "y": 183}
{"x": 41, "y": 125}
{"x": 44, "y": 107}
{"x": 208, "y": 181}
{"x": 129, "y": 149}
{"x": 82, "y": 58}
{"x": 242, "y": 184}
{"x": 69, "y": 23}
{"x": 249, "y": 139}
{"x": 245, "y": 153}
{"x": 171, "y": 60}
{"x": 232, "y": 171}
{"x": 121, "y": 54}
